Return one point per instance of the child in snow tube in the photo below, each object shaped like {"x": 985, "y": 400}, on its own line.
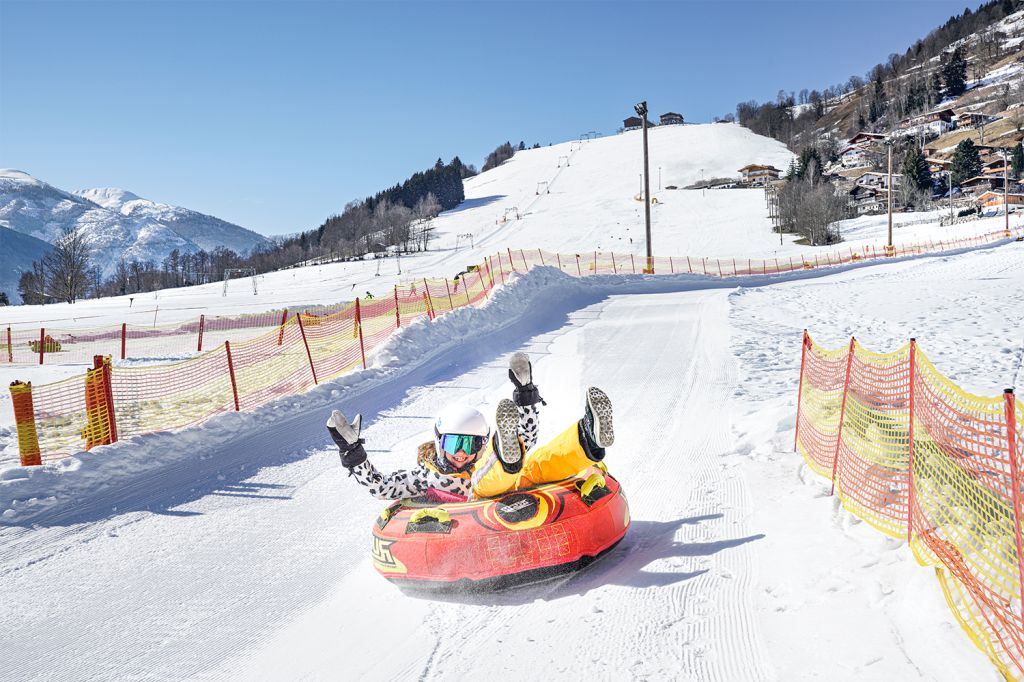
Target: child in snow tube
{"x": 467, "y": 460}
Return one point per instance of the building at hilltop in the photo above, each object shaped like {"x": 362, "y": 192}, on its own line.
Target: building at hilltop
{"x": 634, "y": 123}
{"x": 671, "y": 118}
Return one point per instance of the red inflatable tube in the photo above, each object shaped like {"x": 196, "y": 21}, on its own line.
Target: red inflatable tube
{"x": 519, "y": 537}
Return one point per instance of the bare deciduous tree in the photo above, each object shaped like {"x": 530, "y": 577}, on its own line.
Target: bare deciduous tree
{"x": 67, "y": 266}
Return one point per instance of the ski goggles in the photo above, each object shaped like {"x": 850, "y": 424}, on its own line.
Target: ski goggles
{"x": 452, "y": 443}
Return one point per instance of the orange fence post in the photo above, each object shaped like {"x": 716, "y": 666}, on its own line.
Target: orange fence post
{"x": 511, "y": 263}
{"x": 202, "y": 326}
{"x": 10, "y": 347}
{"x": 800, "y": 385}
{"x": 1010, "y": 409}
{"x": 449, "y": 290}
{"x": 124, "y": 334}
{"x": 359, "y": 326}
{"x": 231, "y": 373}
{"x": 101, "y": 428}
{"x": 302, "y": 330}
{"x": 25, "y": 423}
{"x": 910, "y": 444}
{"x": 483, "y": 284}
{"x": 398, "y": 317}
{"x": 284, "y": 319}
{"x": 42, "y": 343}
{"x": 429, "y": 299}
{"x": 842, "y": 413}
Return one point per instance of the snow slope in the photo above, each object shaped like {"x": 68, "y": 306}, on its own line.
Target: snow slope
{"x": 238, "y": 550}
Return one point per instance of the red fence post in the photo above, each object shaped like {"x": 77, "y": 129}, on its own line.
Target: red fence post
{"x": 800, "y": 385}
{"x": 689, "y": 268}
{"x": 579, "y": 273}
{"x": 302, "y": 330}
{"x": 910, "y": 444}
{"x": 202, "y": 326}
{"x": 541, "y": 254}
{"x": 526, "y": 266}
{"x": 615, "y": 270}
{"x": 124, "y": 335}
{"x": 511, "y": 263}
{"x": 359, "y": 326}
{"x": 559, "y": 257}
{"x": 231, "y": 373}
{"x": 1010, "y": 408}
{"x": 280, "y": 334}
{"x": 842, "y": 413}
{"x": 10, "y": 347}
{"x": 398, "y": 317}
{"x": 632, "y": 262}
{"x": 449, "y": 290}
{"x": 42, "y": 343}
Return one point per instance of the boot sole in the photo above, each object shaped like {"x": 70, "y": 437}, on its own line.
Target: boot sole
{"x": 601, "y": 407}
{"x": 507, "y": 421}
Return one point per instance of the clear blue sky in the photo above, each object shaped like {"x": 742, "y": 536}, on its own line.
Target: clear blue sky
{"x": 275, "y": 115}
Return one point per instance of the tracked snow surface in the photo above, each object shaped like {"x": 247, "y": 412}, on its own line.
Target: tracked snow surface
{"x": 239, "y": 549}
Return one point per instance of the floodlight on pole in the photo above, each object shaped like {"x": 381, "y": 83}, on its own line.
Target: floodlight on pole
{"x": 641, "y": 111}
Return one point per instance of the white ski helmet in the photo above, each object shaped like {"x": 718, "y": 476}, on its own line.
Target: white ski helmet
{"x": 460, "y": 420}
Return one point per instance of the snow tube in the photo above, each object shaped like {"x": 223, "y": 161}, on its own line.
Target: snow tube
{"x": 522, "y": 536}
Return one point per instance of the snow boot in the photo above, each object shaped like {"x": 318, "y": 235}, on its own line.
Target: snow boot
{"x": 596, "y": 432}
{"x": 506, "y": 436}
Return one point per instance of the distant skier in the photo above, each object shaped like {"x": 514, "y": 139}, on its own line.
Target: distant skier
{"x": 465, "y": 459}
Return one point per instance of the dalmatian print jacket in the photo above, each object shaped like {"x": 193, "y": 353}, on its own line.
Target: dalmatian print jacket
{"x": 406, "y": 483}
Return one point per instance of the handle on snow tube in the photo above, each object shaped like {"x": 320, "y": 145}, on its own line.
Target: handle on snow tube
{"x": 439, "y": 515}
{"x": 593, "y": 481}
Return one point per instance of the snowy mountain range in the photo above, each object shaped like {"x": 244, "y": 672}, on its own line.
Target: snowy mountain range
{"x": 118, "y": 224}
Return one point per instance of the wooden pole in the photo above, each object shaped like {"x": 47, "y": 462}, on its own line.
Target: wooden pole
{"x": 305, "y": 342}
{"x": 398, "y": 317}
{"x": 359, "y": 326}
{"x": 231, "y": 373}
{"x": 124, "y": 333}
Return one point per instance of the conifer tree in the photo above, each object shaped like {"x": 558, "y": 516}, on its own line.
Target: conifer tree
{"x": 954, "y": 74}
{"x": 966, "y": 162}
{"x": 915, "y": 170}
{"x": 1017, "y": 160}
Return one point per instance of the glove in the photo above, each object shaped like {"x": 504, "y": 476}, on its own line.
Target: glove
{"x": 521, "y": 373}
{"x": 346, "y": 436}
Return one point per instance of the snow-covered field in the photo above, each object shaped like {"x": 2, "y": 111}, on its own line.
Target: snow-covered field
{"x": 240, "y": 549}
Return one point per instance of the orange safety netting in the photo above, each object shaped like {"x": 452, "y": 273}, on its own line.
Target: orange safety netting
{"x": 917, "y": 457}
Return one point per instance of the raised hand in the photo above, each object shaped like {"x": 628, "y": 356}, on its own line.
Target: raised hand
{"x": 520, "y": 371}
{"x": 346, "y": 437}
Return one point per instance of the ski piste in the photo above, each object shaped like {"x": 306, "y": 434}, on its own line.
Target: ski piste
{"x": 249, "y": 534}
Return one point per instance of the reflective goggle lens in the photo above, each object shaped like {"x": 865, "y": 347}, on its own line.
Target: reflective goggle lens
{"x": 452, "y": 443}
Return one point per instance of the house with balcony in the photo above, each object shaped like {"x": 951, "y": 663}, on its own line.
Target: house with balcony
{"x": 756, "y": 175}
{"x": 671, "y": 119}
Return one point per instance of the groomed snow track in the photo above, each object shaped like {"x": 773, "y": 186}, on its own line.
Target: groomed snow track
{"x": 247, "y": 555}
